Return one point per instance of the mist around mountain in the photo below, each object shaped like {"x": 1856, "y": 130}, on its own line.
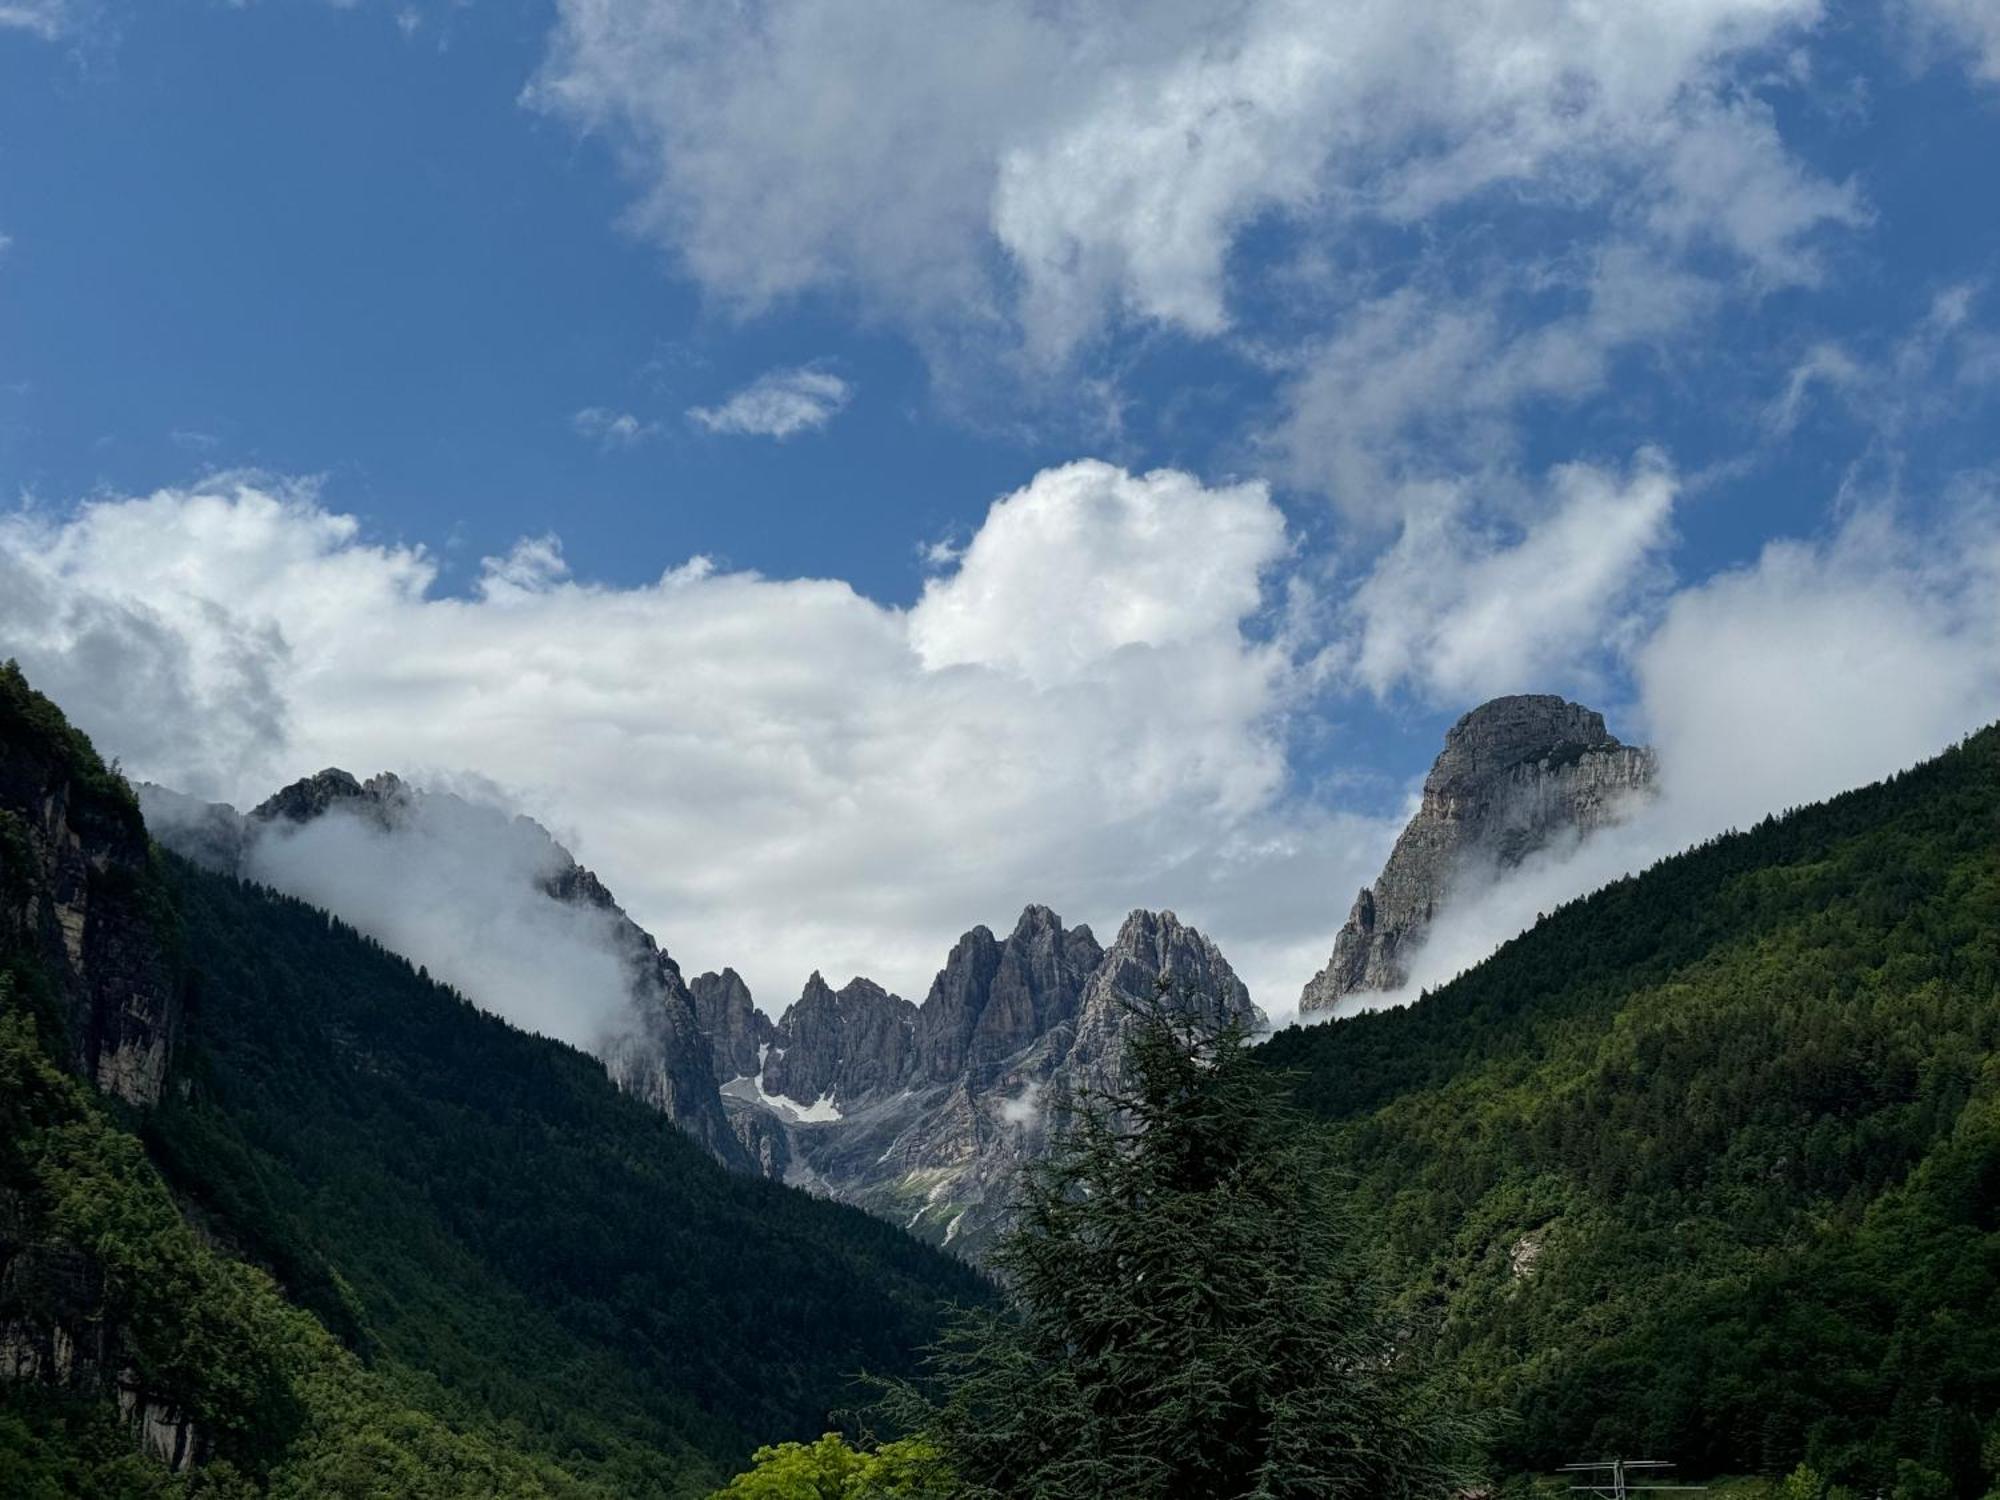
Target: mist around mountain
{"x": 279, "y": 1213}
{"x": 1707, "y": 1162}
{"x": 923, "y": 1114}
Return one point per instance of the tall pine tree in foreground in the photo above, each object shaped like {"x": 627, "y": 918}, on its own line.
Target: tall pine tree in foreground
{"x": 1189, "y": 1314}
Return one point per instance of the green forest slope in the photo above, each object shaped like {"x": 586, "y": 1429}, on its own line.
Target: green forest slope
{"x": 1707, "y": 1165}
{"x": 377, "y": 1242}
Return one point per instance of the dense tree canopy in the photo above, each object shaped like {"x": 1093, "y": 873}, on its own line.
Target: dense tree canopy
{"x": 1708, "y": 1164}
{"x": 1188, "y": 1315}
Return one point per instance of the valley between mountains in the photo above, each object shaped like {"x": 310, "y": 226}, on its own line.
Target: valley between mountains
{"x": 1704, "y": 1161}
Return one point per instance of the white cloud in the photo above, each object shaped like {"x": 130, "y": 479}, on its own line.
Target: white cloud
{"x": 47, "y": 19}
{"x": 1089, "y": 710}
{"x": 1971, "y": 27}
{"x": 1730, "y": 181}
{"x": 612, "y": 429}
{"x": 1420, "y": 389}
{"x": 458, "y": 887}
{"x": 778, "y": 404}
{"x": 1089, "y": 560}
{"x": 1825, "y": 664}
{"x": 1014, "y": 165}
{"x": 774, "y": 774}
{"x": 1464, "y": 615}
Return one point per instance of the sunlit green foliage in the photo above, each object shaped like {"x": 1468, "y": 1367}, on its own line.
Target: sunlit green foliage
{"x": 832, "y": 1470}
{"x": 283, "y": 1403}
{"x": 484, "y": 1206}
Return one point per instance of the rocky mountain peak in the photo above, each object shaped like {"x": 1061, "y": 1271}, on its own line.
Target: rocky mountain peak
{"x": 1155, "y": 955}
{"x": 993, "y": 998}
{"x": 1516, "y": 775}
{"x": 75, "y": 892}
{"x": 312, "y": 796}
{"x": 737, "y": 1031}
{"x": 841, "y": 1045}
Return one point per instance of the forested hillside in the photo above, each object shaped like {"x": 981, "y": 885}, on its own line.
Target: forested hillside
{"x": 483, "y": 1205}
{"x": 368, "y": 1240}
{"x": 1708, "y": 1164}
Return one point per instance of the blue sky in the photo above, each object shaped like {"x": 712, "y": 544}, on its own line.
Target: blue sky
{"x": 1484, "y": 347}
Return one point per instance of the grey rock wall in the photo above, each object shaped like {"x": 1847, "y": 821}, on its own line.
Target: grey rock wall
{"x": 1516, "y": 775}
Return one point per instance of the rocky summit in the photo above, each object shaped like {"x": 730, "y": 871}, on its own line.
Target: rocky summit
{"x": 1516, "y": 775}
{"x": 925, "y": 1114}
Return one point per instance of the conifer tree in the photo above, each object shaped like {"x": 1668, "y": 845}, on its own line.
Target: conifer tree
{"x": 1189, "y": 1315}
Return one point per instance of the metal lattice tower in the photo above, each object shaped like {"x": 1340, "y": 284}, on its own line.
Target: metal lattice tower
{"x": 1614, "y": 1479}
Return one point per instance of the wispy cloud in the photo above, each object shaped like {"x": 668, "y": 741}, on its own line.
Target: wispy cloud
{"x": 612, "y": 429}
{"x": 47, "y": 19}
{"x": 1969, "y": 26}
{"x": 778, "y": 404}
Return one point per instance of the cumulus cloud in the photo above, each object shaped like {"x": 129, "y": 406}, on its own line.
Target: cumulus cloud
{"x": 1044, "y": 169}
{"x": 1090, "y": 708}
{"x": 47, "y": 19}
{"x": 1968, "y": 27}
{"x": 778, "y": 404}
{"x": 1090, "y": 559}
{"x": 1420, "y": 389}
{"x": 780, "y": 775}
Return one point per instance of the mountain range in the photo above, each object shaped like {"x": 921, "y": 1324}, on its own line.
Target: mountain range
{"x": 922, "y": 1113}
{"x": 1705, "y": 1163}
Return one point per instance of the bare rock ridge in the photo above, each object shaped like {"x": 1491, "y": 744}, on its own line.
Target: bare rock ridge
{"x": 1516, "y": 775}
{"x": 736, "y": 1030}
{"x": 926, "y": 1114}
{"x": 662, "y": 1056}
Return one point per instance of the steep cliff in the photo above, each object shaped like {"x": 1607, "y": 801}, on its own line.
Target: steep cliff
{"x": 77, "y": 899}
{"x": 1516, "y": 775}
{"x": 89, "y": 979}
{"x": 736, "y": 1030}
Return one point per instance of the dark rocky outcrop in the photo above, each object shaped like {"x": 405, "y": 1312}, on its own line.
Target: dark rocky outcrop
{"x": 841, "y": 1045}
{"x": 737, "y": 1031}
{"x": 1516, "y": 775}
{"x": 991, "y": 999}
{"x": 76, "y": 891}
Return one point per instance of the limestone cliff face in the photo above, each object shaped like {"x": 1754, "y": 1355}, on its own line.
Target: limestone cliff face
{"x": 73, "y": 891}
{"x": 737, "y": 1031}
{"x": 663, "y": 1055}
{"x": 79, "y": 903}
{"x": 926, "y": 1115}
{"x": 993, "y": 998}
{"x": 1516, "y": 775}
{"x": 849, "y": 1044}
